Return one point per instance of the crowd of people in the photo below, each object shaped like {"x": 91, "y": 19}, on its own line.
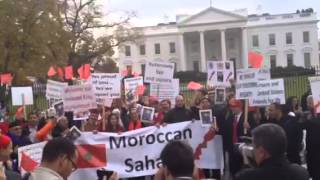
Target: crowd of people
{"x": 231, "y": 124}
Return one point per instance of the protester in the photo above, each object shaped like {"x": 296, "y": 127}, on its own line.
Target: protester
{"x": 233, "y": 128}
{"x": 200, "y": 94}
{"x": 113, "y": 124}
{"x": 32, "y": 125}
{"x": 45, "y": 129}
{"x": 92, "y": 124}
{"x": 58, "y": 161}
{"x": 135, "y": 121}
{"x": 5, "y": 151}
{"x": 62, "y": 127}
{"x": 179, "y": 113}
{"x": 312, "y": 125}
{"x": 292, "y": 128}
{"x": 257, "y": 117}
{"x": 164, "y": 108}
{"x": 178, "y": 162}
{"x": 269, "y": 142}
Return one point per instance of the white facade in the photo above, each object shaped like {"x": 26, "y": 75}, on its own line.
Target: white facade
{"x": 214, "y": 34}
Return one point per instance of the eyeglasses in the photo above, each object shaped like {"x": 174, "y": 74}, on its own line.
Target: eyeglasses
{"x": 74, "y": 165}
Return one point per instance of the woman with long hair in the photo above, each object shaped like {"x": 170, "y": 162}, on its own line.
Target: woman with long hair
{"x": 113, "y": 124}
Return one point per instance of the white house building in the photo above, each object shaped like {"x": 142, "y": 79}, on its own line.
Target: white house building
{"x": 214, "y": 34}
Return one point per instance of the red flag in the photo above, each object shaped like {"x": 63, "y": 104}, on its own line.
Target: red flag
{"x": 6, "y": 78}
{"x": 255, "y": 60}
{"x": 84, "y": 71}
{"x": 194, "y": 86}
{"x": 60, "y": 73}
{"x": 92, "y": 155}
{"x": 27, "y": 163}
{"x": 51, "y": 72}
{"x": 140, "y": 90}
{"x": 68, "y": 72}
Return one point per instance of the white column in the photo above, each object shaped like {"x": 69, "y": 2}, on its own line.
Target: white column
{"x": 223, "y": 45}
{"x": 182, "y": 53}
{"x": 203, "y": 52}
{"x": 244, "y": 48}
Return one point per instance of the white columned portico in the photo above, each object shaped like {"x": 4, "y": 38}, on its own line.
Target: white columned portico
{"x": 244, "y": 48}
{"x": 223, "y": 45}
{"x": 182, "y": 53}
{"x": 203, "y": 52}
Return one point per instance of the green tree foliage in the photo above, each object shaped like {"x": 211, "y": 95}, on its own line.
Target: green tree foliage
{"x": 32, "y": 38}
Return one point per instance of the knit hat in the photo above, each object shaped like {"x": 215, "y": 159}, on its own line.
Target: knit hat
{"x": 233, "y": 103}
{"x": 4, "y": 141}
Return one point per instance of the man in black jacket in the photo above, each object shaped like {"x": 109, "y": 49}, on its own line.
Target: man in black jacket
{"x": 178, "y": 114}
{"x": 269, "y": 141}
{"x": 292, "y": 128}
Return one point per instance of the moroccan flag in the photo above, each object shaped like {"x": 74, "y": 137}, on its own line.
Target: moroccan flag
{"x": 84, "y": 71}
{"x": 92, "y": 155}
{"x": 60, "y": 73}
{"x": 6, "y": 78}
{"x": 27, "y": 163}
{"x": 255, "y": 60}
{"x": 20, "y": 112}
{"x": 68, "y": 72}
{"x": 51, "y": 72}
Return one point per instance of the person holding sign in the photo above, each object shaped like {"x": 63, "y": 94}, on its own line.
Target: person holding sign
{"x": 234, "y": 128}
{"x": 135, "y": 121}
{"x": 92, "y": 123}
{"x": 113, "y": 124}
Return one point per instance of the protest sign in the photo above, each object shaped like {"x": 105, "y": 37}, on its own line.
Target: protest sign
{"x": 136, "y": 153}
{"x": 206, "y": 117}
{"x": 245, "y": 75}
{"x": 315, "y": 86}
{"x": 21, "y": 96}
{"x": 165, "y": 91}
{"x": 159, "y": 72}
{"x": 267, "y": 92}
{"x": 246, "y": 90}
{"x": 79, "y": 98}
{"x": 54, "y": 89}
{"x": 220, "y": 73}
{"x": 106, "y": 86}
{"x": 58, "y": 106}
{"x": 130, "y": 87}
{"x": 147, "y": 113}
{"x": 29, "y": 157}
{"x": 220, "y": 95}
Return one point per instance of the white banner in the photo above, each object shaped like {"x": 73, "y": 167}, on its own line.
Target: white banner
{"x": 315, "y": 89}
{"x": 55, "y": 89}
{"x": 21, "y": 96}
{"x": 106, "y": 86}
{"x": 267, "y": 92}
{"x": 136, "y": 153}
{"x": 261, "y": 93}
{"x": 220, "y": 73}
{"x": 166, "y": 91}
{"x": 251, "y": 74}
{"x": 159, "y": 72}
{"x": 130, "y": 87}
{"x": 79, "y": 98}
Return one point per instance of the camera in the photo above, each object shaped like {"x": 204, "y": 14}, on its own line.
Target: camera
{"x": 246, "y": 149}
{"x": 101, "y": 173}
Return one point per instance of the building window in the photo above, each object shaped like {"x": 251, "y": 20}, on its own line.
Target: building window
{"x": 306, "y": 38}
{"x": 143, "y": 68}
{"x": 307, "y": 60}
{"x": 172, "y": 47}
{"x": 255, "y": 41}
{"x": 196, "y": 66}
{"x": 157, "y": 48}
{"x": 289, "y": 60}
{"x": 143, "y": 49}
{"x": 273, "y": 61}
{"x": 289, "y": 38}
{"x": 127, "y": 50}
{"x": 272, "y": 39}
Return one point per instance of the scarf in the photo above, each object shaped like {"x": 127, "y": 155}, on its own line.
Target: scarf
{"x": 134, "y": 126}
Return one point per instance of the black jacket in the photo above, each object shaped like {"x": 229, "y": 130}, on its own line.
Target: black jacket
{"x": 294, "y": 134}
{"x": 177, "y": 115}
{"x": 274, "y": 169}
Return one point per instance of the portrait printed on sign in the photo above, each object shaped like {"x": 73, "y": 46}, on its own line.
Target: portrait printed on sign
{"x": 220, "y": 95}
{"x": 206, "y": 117}
{"x": 220, "y": 76}
{"x": 58, "y": 106}
{"x": 147, "y": 113}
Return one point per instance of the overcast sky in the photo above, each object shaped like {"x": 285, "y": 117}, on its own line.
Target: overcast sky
{"x": 152, "y": 12}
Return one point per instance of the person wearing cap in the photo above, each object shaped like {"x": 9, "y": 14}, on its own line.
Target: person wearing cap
{"x": 135, "y": 121}
{"x": 5, "y": 152}
{"x": 232, "y": 129}
{"x": 92, "y": 124}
